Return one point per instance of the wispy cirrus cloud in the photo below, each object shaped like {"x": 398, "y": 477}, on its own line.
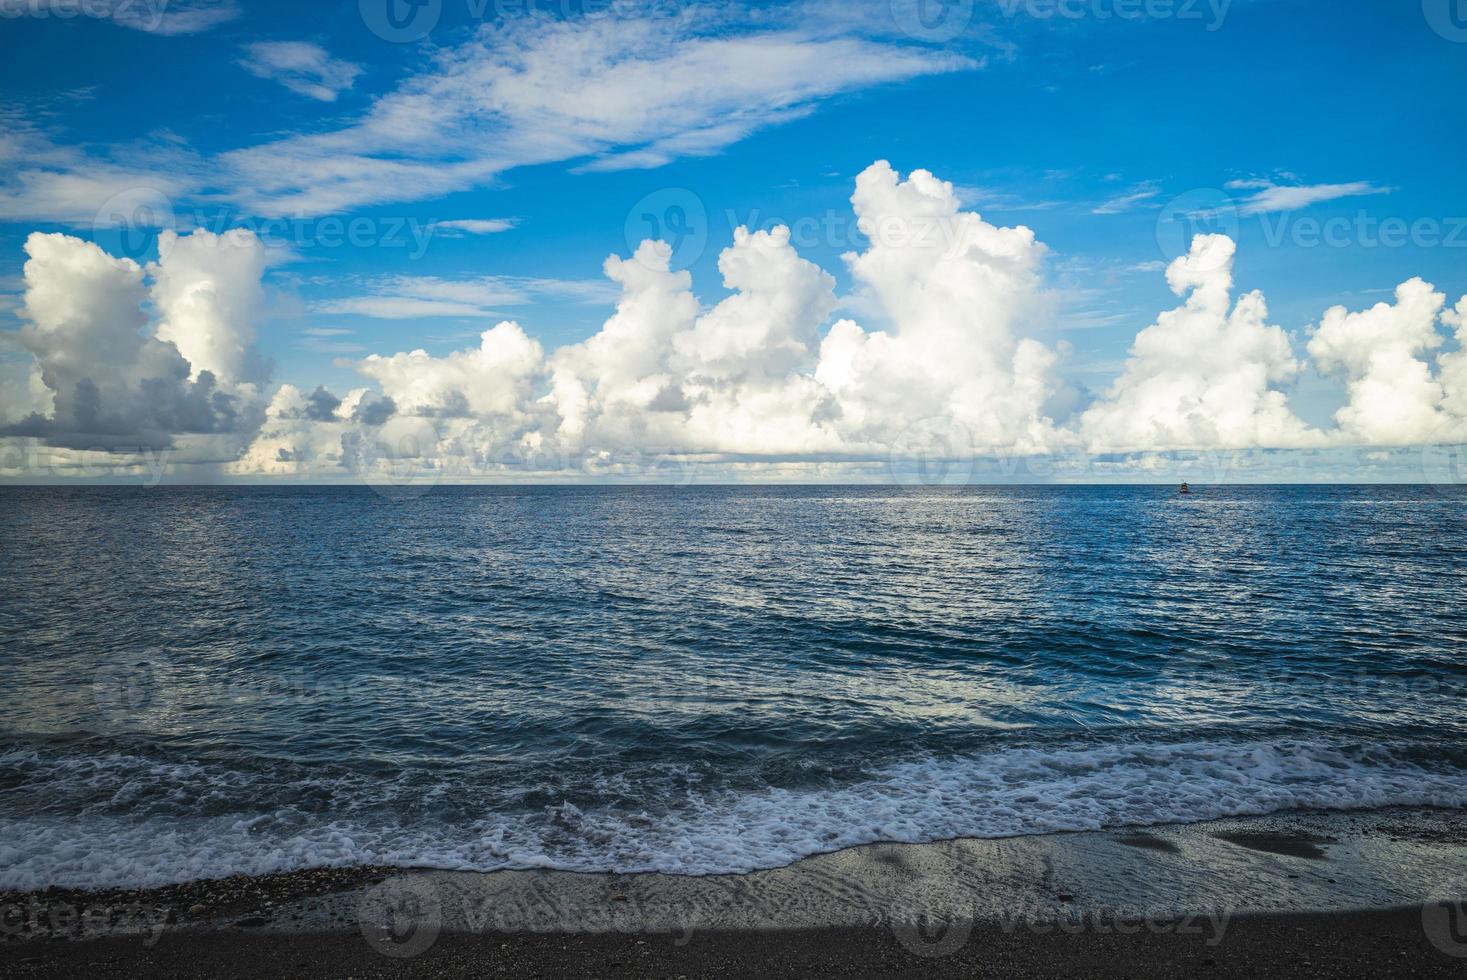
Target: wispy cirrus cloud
{"x": 302, "y": 67}
{"x": 166, "y": 17}
{"x": 992, "y": 198}
{"x": 416, "y": 297}
{"x": 598, "y": 93}
{"x": 609, "y": 92}
{"x": 459, "y": 227}
{"x": 1136, "y": 197}
{"x": 1270, "y": 198}
{"x": 175, "y": 17}
{"x": 42, "y": 180}
{"x": 328, "y": 340}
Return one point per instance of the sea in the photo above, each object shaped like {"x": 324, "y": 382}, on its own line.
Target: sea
{"x": 203, "y": 681}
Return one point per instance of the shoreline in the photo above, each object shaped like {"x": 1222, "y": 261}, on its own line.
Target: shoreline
{"x": 1158, "y": 892}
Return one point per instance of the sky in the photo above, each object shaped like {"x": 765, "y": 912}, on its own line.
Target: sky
{"x": 418, "y": 241}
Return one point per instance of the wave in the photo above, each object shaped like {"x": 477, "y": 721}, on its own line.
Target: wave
{"x": 1003, "y": 793}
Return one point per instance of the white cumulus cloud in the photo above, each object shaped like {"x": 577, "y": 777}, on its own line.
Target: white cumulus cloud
{"x": 947, "y": 363}
{"x": 1393, "y": 397}
{"x": 207, "y": 286}
{"x": 113, "y": 385}
{"x": 1205, "y": 375}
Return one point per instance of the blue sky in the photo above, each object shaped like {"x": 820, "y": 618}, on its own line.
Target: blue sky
{"x": 1286, "y": 118}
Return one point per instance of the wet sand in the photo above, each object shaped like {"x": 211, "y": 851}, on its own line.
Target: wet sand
{"x": 1314, "y": 894}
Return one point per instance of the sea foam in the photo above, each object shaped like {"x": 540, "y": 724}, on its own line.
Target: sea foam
{"x": 1003, "y": 793}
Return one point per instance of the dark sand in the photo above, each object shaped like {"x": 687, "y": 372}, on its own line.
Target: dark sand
{"x": 1377, "y": 944}
{"x": 1298, "y": 894}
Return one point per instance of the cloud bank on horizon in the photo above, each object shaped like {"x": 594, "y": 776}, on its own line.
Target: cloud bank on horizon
{"x": 762, "y": 378}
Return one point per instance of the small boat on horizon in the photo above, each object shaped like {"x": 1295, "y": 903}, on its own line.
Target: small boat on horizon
{"x": 1185, "y": 489}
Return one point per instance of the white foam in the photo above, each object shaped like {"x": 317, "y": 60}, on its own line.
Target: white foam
{"x": 998, "y": 794}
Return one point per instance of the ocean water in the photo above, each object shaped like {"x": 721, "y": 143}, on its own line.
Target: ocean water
{"x": 204, "y": 681}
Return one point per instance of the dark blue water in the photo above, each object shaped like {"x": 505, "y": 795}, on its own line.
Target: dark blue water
{"x": 203, "y": 681}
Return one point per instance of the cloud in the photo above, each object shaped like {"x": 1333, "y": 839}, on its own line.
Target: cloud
{"x": 165, "y": 17}
{"x": 308, "y": 435}
{"x": 946, "y": 364}
{"x": 1140, "y": 195}
{"x": 615, "y": 92}
{"x": 1205, "y": 375}
{"x": 207, "y": 288}
{"x": 755, "y": 378}
{"x": 474, "y": 226}
{"x": 367, "y": 407}
{"x": 26, "y": 392}
{"x": 956, "y": 290}
{"x": 1393, "y": 397}
{"x": 599, "y": 92}
{"x": 132, "y": 185}
{"x": 1270, "y": 197}
{"x": 304, "y": 68}
{"x": 174, "y": 17}
{"x": 415, "y": 297}
{"x": 752, "y": 375}
{"x": 725, "y": 381}
{"x": 1453, "y": 370}
{"x": 492, "y": 380}
{"x": 113, "y": 386}
{"x": 321, "y": 405}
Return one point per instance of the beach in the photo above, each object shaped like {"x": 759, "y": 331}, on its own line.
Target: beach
{"x": 1375, "y": 944}
{"x": 1318, "y": 894}
{"x": 779, "y": 731}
